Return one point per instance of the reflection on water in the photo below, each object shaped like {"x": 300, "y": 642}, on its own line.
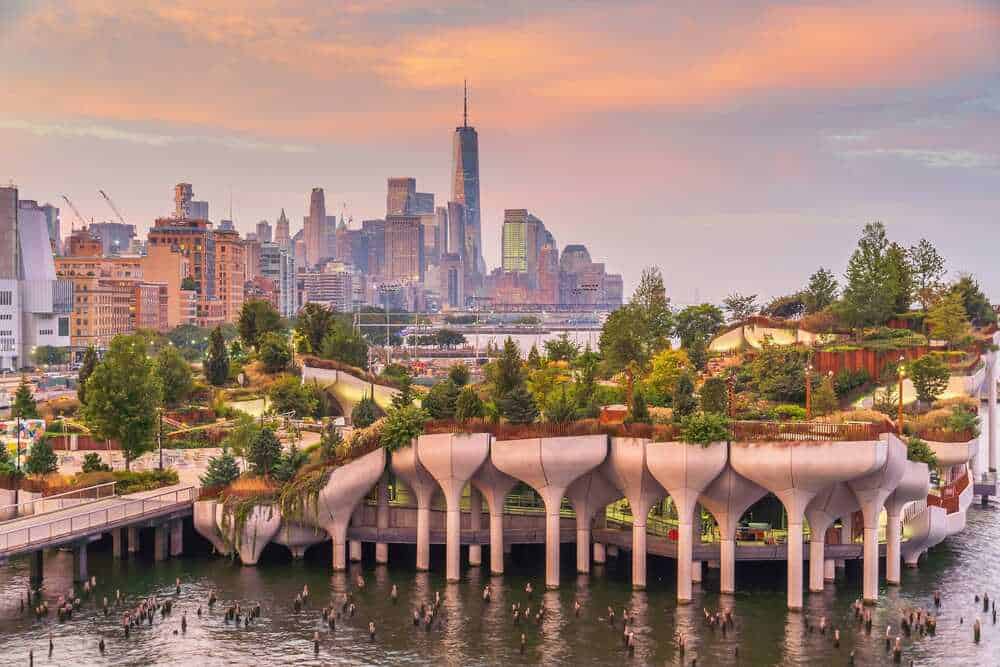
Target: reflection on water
{"x": 472, "y": 631}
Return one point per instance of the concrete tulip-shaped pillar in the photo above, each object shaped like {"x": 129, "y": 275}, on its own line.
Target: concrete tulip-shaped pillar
{"x": 206, "y": 523}
{"x": 407, "y": 466}
{"x": 832, "y": 502}
{"x": 298, "y": 537}
{"x": 382, "y": 518}
{"x": 795, "y": 471}
{"x": 589, "y": 495}
{"x": 475, "y": 513}
{"x": 494, "y": 485}
{"x": 549, "y": 466}
{"x": 452, "y": 460}
{"x": 914, "y": 486}
{"x": 260, "y": 526}
{"x": 871, "y": 492}
{"x": 627, "y": 470}
{"x": 728, "y": 497}
{"x": 345, "y": 488}
{"x": 685, "y": 471}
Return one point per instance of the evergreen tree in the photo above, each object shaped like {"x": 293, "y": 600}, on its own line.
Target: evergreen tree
{"x": 41, "y": 459}
{"x": 264, "y": 452}
{"x": 86, "y": 368}
{"x": 404, "y": 395}
{"x": 365, "y": 413}
{"x": 698, "y": 353}
{"x": 507, "y": 373}
{"x": 684, "y": 402}
{"x": 585, "y": 390}
{"x": 217, "y": 363}
{"x": 274, "y": 352}
{"x": 469, "y": 405}
{"x": 947, "y": 319}
{"x": 824, "y": 399}
{"x": 329, "y": 442}
{"x": 222, "y": 470}
{"x": 930, "y": 377}
{"x": 561, "y": 349}
{"x": 821, "y": 292}
{"x": 518, "y": 407}
{"x": 928, "y": 270}
{"x": 289, "y": 463}
{"x": 8, "y": 467}
{"x": 534, "y": 358}
{"x": 24, "y": 406}
{"x": 92, "y": 463}
{"x": 714, "y": 396}
{"x": 313, "y": 323}
{"x": 639, "y": 413}
{"x": 653, "y": 307}
{"x": 872, "y": 290}
{"x": 459, "y": 374}
{"x": 561, "y": 409}
{"x": 441, "y": 400}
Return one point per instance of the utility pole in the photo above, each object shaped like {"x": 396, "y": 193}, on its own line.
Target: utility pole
{"x": 159, "y": 437}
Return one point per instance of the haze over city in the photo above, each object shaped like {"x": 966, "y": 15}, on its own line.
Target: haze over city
{"x": 772, "y": 123}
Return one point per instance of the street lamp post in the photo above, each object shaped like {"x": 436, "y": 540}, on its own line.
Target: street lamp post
{"x": 809, "y": 370}
{"x": 159, "y": 437}
{"x": 902, "y": 374}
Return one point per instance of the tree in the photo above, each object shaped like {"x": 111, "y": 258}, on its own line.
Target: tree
{"x": 930, "y": 377}
{"x": 123, "y": 395}
{"x": 824, "y": 399}
{"x": 919, "y": 451}
{"x": 625, "y": 346}
{"x": 175, "y": 376}
{"x": 448, "y": 338}
{"x": 469, "y": 405}
{"x": 901, "y": 277}
{"x": 441, "y": 400}
{"x": 217, "y": 363}
{"x": 779, "y": 372}
{"x": 239, "y": 437}
{"x": 561, "y": 409}
{"x": 786, "y": 307}
{"x": 639, "y": 412}
{"x": 404, "y": 394}
{"x": 221, "y": 470}
{"x": 696, "y": 322}
{"x": 534, "y": 358}
{"x": 947, "y": 319}
{"x": 92, "y": 463}
{"x": 257, "y": 317}
{"x": 518, "y": 407}
{"x": 45, "y": 355}
{"x": 264, "y": 451}
{"x": 684, "y": 402}
{"x": 330, "y": 441}
{"x": 345, "y": 346}
{"x": 653, "y": 307}
{"x": 86, "y": 368}
{"x": 289, "y": 463}
{"x": 24, "y": 406}
{"x": 714, "y": 396}
{"x": 365, "y": 413}
{"x": 585, "y": 389}
{"x": 872, "y": 291}
{"x": 313, "y": 323}
{"x": 821, "y": 292}
{"x": 506, "y": 372}
{"x": 667, "y": 366}
{"x": 291, "y": 395}
{"x": 459, "y": 374}
{"x": 41, "y": 459}
{"x": 698, "y": 353}
{"x": 740, "y": 307}
{"x": 561, "y": 349}
{"x": 274, "y": 352}
{"x": 977, "y": 306}
{"x": 928, "y": 270}
{"x": 401, "y": 426}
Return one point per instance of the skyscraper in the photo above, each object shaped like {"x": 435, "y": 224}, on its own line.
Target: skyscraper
{"x": 315, "y": 226}
{"x": 401, "y": 194}
{"x": 404, "y": 248}
{"x": 281, "y": 231}
{"x": 8, "y": 233}
{"x": 523, "y": 237}
{"x": 465, "y": 184}
{"x": 264, "y": 231}
{"x": 183, "y": 195}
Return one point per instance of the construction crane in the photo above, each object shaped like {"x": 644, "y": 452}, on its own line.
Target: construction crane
{"x": 76, "y": 211}
{"x": 113, "y": 207}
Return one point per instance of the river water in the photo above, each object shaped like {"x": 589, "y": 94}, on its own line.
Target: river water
{"x": 472, "y": 632}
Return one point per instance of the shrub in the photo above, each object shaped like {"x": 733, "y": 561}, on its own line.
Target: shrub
{"x": 291, "y": 395}
{"x": 918, "y": 450}
{"x": 824, "y": 398}
{"x": 789, "y": 412}
{"x": 221, "y": 471}
{"x": 401, "y": 426}
{"x": 365, "y": 413}
{"x": 860, "y": 415}
{"x": 684, "y": 402}
{"x": 274, "y": 352}
{"x": 518, "y": 407}
{"x": 562, "y": 409}
{"x": 329, "y": 442}
{"x": 264, "y": 451}
{"x": 714, "y": 396}
{"x": 441, "y": 399}
{"x": 963, "y": 421}
{"x": 92, "y": 463}
{"x": 846, "y": 380}
{"x": 469, "y": 405}
{"x": 459, "y": 374}
{"x": 967, "y": 403}
{"x": 930, "y": 377}
{"x": 289, "y": 463}
{"x": 639, "y": 412}
{"x": 704, "y": 428}
{"x": 41, "y": 459}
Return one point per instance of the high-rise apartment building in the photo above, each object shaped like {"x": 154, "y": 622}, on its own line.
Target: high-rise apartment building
{"x": 278, "y": 266}
{"x": 373, "y": 232}
{"x": 404, "y": 248}
{"x": 9, "y": 269}
{"x": 422, "y": 204}
{"x": 183, "y": 195}
{"x": 281, "y": 231}
{"x": 264, "y": 231}
{"x": 465, "y": 184}
{"x": 170, "y": 266}
{"x": 199, "y": 210}
{"x": 332, "y": 287}
{"x": 401, "y": 193}
{"x": 523, "y": 237}
{"x": 116, "y": 237}
{"x": 315, "y": 228}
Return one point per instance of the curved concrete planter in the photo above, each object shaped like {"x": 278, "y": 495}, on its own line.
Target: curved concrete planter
{"x": 685, "y": 471}
{"x": 927, "y": 529}
{"x": 207, "y": 519}
{"x": 406, "y": 465}
{"x": 550, "y": 465}
{"x": 626, "y": 468}
{"x": 829, "y": 504}
{"x": 589, "y": 495}
{"x": 727, "y": 498}
{"x": 261, "y": 526}
{"x": 795, "y": 471}
{"x": 914, "y": 485}
{"x": 494, "y": 485}
{"x": 298, "y": 537}
{"x": 954, "y": 453}
{"x": 452, "y": 460}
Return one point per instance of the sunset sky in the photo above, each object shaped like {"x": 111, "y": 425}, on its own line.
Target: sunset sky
{"x": 737, "y": 145}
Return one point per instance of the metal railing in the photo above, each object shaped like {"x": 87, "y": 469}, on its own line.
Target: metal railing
{"x": 742, "y": 431}
{"x": 129, "y": 508}
{"x": 59, "y": 501}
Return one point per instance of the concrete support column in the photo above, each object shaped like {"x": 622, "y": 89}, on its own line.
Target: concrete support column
{"x": 553, "y": 537}
{"x": 118, "y": 543}
{"x": 991, "y": 440}
{"x": 817, "y": 563}
{"x": 382, "y": 518}
{"x": 496, "y": 540}
{"x": 453, "y": 540}
{"x": 846, "y": 535}
{"x": 870, "y": 565}
{"x": 176, "y": 537}
{"x": 795, "y": 563}
{"x": 355, "y": 549}
{"x": 639, "y": 553}
{"x": 133, "y": 539}
{"x": 160, "y": 542}
{"x": 727, "y": 565}
{"x": 80, "y": 573}
{"x": 600, "y": 554}
{"x": 695, "y": 541}
{"x": 829, "y": 570}
{"x": 355, "y": 545}
{"x": 339, "y": 536}
{"x": 424, "y": 536}
{"x": 685, "y": 546}
{"x": 475, "y": 514}
{"x": 893, "y": 538}
{"x": 37, "y": 562}
{"x": 696, "y": 571}
{"x": 582, "y": 544}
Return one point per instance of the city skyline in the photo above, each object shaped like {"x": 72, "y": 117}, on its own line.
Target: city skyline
{"x": 694, "y": 146}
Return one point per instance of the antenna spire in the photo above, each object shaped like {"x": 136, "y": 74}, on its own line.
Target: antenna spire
{"x": 465, "y": 103}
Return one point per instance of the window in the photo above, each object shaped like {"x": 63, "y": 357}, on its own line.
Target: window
{"x": 6, "y": 298}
